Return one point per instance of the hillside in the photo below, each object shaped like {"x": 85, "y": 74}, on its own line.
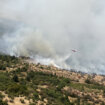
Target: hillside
{"x": 24, "y": 83}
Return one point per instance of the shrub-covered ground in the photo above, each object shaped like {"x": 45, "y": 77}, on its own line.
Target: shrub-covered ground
{"x": 41, "y": 84}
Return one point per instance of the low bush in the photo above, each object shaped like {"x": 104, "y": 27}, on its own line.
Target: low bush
{"x": 3, "y": 102}
{"x": 16, "y": 90}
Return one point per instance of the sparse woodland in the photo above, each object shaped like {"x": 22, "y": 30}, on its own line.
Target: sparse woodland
{"x": 36, "y": 84}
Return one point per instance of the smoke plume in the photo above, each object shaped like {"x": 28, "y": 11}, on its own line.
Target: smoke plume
{"x": 49, "y": 31}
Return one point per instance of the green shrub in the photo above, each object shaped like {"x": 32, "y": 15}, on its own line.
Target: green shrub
{"x": 87, "y": 81}
{"x": 28, "y": 78}
{"x": 31, "y": 75}
{"x": 16, "y": 90}
{"x": 1, "y": 96}
{"x": 22, "y": 101}
{"x": 65, "y": 100}
{"x": 3, "y": 102}
{"x": 61, "y": 85}
{"x": 32, "y": 104}
{"x": 66, "y": 80}
{"x": 15, "y": 78}
{"x": 2, "y": 67}
{"x": 4, "y": 81}
{"x": 53, "y": 93}
{"x": 36, "y": 96}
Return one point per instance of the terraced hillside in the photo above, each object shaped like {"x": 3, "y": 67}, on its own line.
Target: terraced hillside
{"x": 24, "y": 83}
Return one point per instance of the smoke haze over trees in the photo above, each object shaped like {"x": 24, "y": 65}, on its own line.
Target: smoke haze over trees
{"x": 49, "y": 30}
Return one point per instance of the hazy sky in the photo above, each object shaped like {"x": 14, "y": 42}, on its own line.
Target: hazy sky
{"x": 51, "y": 29}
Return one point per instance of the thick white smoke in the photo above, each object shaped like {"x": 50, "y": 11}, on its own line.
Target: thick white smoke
{"x": 50, "y": 30}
